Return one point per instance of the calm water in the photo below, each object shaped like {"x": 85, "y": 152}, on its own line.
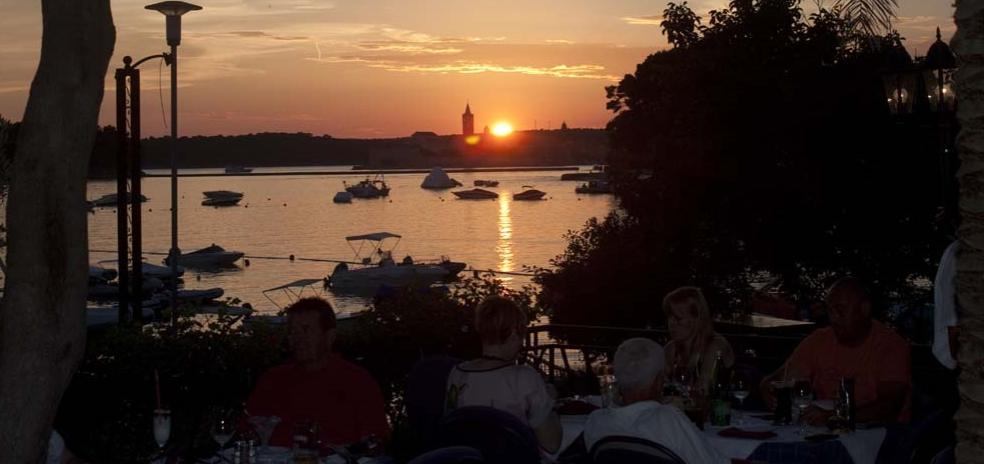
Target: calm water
{"x": 284, "y": 215}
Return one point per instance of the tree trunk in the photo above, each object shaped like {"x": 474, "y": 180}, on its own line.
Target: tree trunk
{"x": 42, "y": 316}
{"x": 969, "y": 47}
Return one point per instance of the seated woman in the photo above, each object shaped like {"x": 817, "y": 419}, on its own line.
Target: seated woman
{"x": 495, "y": 380}
{"x": 694, "y": 345}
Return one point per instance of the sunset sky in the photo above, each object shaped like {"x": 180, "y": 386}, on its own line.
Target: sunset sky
{"x": 384, "y": 68}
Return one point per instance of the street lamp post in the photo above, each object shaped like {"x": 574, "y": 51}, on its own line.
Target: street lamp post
{"x": 173, "y": 10}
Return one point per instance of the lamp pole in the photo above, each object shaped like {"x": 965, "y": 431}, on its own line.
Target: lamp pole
{"x": 173, "y": 10}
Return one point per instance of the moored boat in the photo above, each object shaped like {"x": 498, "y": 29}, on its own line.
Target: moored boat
{"x": 594, "y": 186}
{"x": 342, "y": 197}
{"x": 476, "y": 194}
{"x": 529, "y": 195}
{"x": 368, "y": 188}
{"x": 238, "y": 170}
{"x": 438, "y": 179}
{"x": 486, "y": 183}
{"x": 379, "y": 268}
{"x": 210, "y": 256}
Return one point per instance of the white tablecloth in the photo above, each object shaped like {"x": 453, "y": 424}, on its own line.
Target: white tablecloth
{"x": 862, "y": 445}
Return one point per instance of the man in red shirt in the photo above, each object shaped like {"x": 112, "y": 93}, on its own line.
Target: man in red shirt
{"x": 318, "y": 386}
{"x": 854, "y": 346}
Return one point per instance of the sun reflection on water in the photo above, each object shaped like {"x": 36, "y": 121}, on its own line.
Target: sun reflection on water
{"x": 504, "y": 247}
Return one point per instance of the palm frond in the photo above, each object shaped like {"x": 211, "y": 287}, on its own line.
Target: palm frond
{"x": 872, "y": 17}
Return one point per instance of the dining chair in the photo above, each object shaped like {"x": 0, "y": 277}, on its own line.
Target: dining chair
{"x": 501, "y": 437}
{"x": 632, "y": 450}
{"x": 450, "y": 455}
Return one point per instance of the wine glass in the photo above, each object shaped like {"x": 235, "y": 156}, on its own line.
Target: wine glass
{"x": 264, "y": 426}
{"x": 222, "y": 430}
{"x": 740, "y": 391}
{"x": 802, "y": 398}
{"x": 162, "y": 427}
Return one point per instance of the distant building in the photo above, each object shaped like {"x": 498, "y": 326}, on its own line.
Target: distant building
{"x": 467, "y": 122}
{"x": 486, "y": 131}
{"x": 424, "y": 134}
{"x": 563, "y": 126}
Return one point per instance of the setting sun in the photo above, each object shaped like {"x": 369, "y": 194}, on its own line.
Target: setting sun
{"x": 502, "y": 129}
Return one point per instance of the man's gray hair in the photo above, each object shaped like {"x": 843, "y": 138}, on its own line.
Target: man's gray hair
{"x": 638, "y": 362}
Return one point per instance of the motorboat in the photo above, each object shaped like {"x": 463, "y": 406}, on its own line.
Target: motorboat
{"x": 476, "y": 194}
{"x": 378, "y": 267}
{"x": 594, "y": 186}
{"x": 369, "y": 188}
{"x": 529, "y": 195}
{"x": 438, "y": 179}
{"x": 210, "y": 256}
{"x": 191, "y": 296}
{"x": 221, "y": 198}
{"x": 238, "y": 170}
{"x": 342, "y": 197}
{"x": 159, "y": 272}
{"x": 486, "y": 183}
{"x": 109, "y": 200}
{"x": 284, "y": 295}
{"x": 109, "y": 315}
{"x": 101, "y": 275}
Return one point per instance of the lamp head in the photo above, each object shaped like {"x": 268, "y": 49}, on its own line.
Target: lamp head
{"x": 173, "y": 11}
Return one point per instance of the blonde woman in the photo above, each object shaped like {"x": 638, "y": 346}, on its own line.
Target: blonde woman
{"x": 495, "y": 379}
{"x": 693, "y": 345}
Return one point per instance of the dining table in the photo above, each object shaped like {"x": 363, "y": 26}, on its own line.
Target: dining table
{"x": 791, "y": 444}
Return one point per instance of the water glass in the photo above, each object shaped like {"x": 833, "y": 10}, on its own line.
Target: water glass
{"x": 740, "y": 391}
{"x": 608, "y": 390}
{"x": 222, "y": 430}
{"x": 264, "y": 426}
{"x": 162, "y": 427}
{"x": 802, "y": 398}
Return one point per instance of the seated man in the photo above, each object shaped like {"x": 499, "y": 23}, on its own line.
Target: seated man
{"x": 317, "y": 385}
{"x": 854, "y": 346}
{"x": 639, "y": 372}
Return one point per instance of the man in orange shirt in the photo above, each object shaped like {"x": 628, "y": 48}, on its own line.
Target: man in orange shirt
{"x": 857, "y": 347}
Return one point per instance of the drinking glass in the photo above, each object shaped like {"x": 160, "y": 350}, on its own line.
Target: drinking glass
{"x": 608, "y": 390}
{"x": 802, "y": 398}
{"x": 162, "y": 427}
{"x": 223, "y": 429}
{"x": 264, "y": 426}
{"x": 740, "y": 391}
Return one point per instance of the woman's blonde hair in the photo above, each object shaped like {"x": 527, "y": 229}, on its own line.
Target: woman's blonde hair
{"x": 704, "y": 330}
{"x": 496, "y": 318}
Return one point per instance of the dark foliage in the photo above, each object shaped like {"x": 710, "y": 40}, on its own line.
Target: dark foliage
{"x": 759, "y": 149}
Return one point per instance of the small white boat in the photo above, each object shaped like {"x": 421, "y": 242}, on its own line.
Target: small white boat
{"x": 237, "y": 170}
{"x": 160, "y": 272}
{"x": 221, "y": 198}
{"x": 529, "y": 195}
{"x": 222, "y": 194}
{"x": 476, "y": 194}
{"x": 378, "y": 268}
{"x": 109, "y": 200}
{"x": 99, "y": 274}
{"x": 103, "y": 316}
{"x": 191, "y": 296}
{"x": 210, "y": 256}
{"x": 438, "y": 179}
{"x": 342, "y": 197}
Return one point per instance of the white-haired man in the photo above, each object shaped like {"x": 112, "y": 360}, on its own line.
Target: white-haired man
{"x": 639, "y": 366}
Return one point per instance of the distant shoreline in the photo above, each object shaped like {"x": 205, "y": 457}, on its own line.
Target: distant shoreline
{"x": 371, "y": 172}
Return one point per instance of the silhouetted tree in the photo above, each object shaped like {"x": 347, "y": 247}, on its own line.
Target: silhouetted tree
{"x": 42, "y": 326}
{"x": 761, "y": 151}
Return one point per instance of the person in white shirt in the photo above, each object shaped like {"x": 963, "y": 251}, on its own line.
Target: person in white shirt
{"x": 639, "y": 369}
{"x": 495, "y": 380}
{"x": 945, "y": 311}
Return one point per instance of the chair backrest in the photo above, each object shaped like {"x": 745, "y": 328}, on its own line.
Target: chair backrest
{"x": 450, "y": 455}
{"x": 945, "y": 456}
{"x": 500, "y": 436}
{"x": 424, "y": 396}
{"x": 632, "y": 450}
